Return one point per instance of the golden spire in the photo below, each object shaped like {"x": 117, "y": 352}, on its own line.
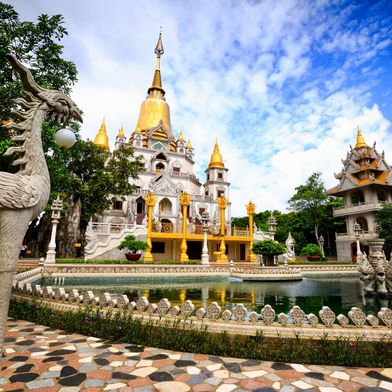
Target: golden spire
{"x": 121, "y": 132}
{"x": 102, "y": 137}
{"x": 157, "y": 81}
{"x": 189, "y": 145}
{"x": 216, "y": 157}
{"x": 360, "y": 140}
{"x": 180, "y": 137}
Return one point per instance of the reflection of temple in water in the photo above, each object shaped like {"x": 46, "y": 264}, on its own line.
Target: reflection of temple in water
{"x": 310, "y": 294}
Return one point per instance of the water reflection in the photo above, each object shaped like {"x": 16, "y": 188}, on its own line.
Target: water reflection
{"x": 340, "y": 294}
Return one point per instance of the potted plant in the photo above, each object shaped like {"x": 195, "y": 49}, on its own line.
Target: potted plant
{"x": 133, "y": 247}
{"x": 312, "y": 252}
{"x": 268, "y": 249}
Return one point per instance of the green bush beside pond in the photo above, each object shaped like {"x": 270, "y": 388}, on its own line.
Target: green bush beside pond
{"x": 122, "y": 327}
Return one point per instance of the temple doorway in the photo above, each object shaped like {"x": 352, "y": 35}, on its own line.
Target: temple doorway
{"x": 194, "y": 250}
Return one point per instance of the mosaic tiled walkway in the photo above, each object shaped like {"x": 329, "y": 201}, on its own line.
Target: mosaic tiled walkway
{"x": 43, "y": 359}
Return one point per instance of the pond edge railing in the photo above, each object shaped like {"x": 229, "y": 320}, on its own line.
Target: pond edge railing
{"x": 239, "y": 321}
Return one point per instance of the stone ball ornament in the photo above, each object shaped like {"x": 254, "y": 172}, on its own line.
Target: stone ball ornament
{"x": 65, "y": 138}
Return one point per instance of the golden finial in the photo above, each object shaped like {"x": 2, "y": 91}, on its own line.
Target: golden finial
{"x": 360, "y": 140}
{"x": 185, "y": 199}
{"x": 157, "y": 81}
{"x": 150, "y": 199}
{"x": 250, "y": 208}
{"x": 222, "y": 201}
{"x": 180, "y": 137}
{"x": 189, "y": 145}
{"x": 216, "y": 157}
{"x": 101, "y": 139}
{"x": 121, "y": 132}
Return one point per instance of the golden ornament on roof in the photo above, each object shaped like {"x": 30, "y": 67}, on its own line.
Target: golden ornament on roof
{"x": 360, "y": 140}
{"x": 101, "y": 139}
{"x": 250, "y": 208}
{"x": 216, "y": 157}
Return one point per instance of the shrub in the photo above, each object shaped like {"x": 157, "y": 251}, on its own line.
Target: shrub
{"x": 268, "y": 247}
{"x": 132, "y": 244}
{"x": 311, "y": 250}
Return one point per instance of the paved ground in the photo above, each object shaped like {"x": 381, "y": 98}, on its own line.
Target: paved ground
{"x": 43, "y": 359}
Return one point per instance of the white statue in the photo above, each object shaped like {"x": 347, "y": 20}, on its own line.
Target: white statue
{"x": 23, "y": 195}
{"x": 290, "y": 242}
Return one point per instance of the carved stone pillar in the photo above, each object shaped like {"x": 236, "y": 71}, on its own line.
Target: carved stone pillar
{"x": 57, "y": 207}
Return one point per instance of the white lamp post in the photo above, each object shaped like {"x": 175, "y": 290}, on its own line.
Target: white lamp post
{"x": 205, "y": 259}
{"x": 357, "y": 231}
{"x": 57, "y": 207}
{"x": 272, "y": 223}
{"x": 322, "y": 242}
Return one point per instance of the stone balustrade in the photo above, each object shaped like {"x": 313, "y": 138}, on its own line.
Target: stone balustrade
{"x": 237, "y": 320}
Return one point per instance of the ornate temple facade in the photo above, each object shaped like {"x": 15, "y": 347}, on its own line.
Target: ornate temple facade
{"x": 168, "y": 175}
{"x": 365, "y": 184}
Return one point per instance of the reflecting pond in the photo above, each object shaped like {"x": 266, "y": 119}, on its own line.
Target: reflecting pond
{"x": 340, "y": 294}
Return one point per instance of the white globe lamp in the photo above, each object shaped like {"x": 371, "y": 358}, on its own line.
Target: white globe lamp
{"x": 65, "y": 138}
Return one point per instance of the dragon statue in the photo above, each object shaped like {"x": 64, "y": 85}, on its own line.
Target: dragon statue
{"x": 23, "y": 195}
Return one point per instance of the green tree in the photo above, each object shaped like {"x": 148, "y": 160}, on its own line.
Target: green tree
{"x": 310, "y": 199}
{"x": 38, "y": 46}
{"x": 384, "y": 219}
{"x": 89, "y": 181}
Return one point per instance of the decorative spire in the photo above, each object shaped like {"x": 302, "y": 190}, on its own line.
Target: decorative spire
{"x": 189, "y": 144}
{"x": 121, "y": 132}
{"x": 101, "y": 139}
{"x": 157, "y": 81}
{"x": 181, "y": 137}
{"x": 360, "y": 140}
{"x": 216, "y": 157}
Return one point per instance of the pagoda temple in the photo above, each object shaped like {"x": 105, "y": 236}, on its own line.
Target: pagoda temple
{"x": 156, "y": 211}
{"x": 365, "y": 184}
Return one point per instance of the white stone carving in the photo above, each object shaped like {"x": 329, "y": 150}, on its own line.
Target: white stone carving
{"x": 268, "y": 314}
{"x": 357, "y": 316}
{"x": 297, "y": 315}
{"x": 213, "y": 311}
{"x": 254, "y": 317}
{"x": 312, "y": 319}
{"x": 47, "y": 292}
{"x": 227, "y": 315}
{"x": 187, "y": 308}
{"x": 23, "y": 195}
{"x": 74, "y": 296}
{"x": 283, "y": 319}
{"x": 88, "y": 297}
{"x": 200, "y": 313}
{"x": 142, "y": 304}
{"x": 132, "y": 306}
{"x": 173, "y": 311}
{"x": 122, "y": 301}
{"x": 104, "y": 299}
{"x": 164, "y": 306}
{"x": 385, "y": 315}
{"x": 343, "y": 320}
{"x": 240, "y": 312}
{"x": 327, "y": 316}
{"x": 372, "y": 320}
{"x": 152, "y": 308}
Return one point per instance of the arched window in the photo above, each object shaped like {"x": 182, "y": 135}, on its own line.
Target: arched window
{"x": 165, "y": 207}
{"x": 363, "y": 222}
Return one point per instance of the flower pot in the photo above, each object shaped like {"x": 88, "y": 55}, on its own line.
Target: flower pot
{"x": 313, "y": 258}
{"x": 133, "y": 256}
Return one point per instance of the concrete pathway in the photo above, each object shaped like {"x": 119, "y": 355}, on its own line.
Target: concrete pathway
{"x": 44, "y": 359}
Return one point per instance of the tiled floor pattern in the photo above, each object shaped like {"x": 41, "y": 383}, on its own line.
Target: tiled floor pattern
{"x": 45, "y": 360}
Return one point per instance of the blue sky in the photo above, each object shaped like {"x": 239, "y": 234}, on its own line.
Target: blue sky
{"x": 281, "y": 84}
